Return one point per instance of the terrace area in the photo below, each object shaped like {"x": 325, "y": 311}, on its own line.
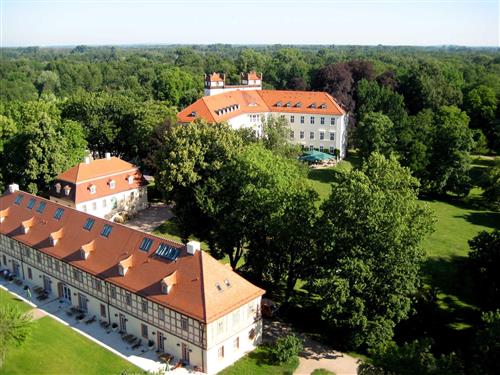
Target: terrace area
{"x": 62, "y": 320}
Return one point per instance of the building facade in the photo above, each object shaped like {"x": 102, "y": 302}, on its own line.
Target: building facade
{"x": 103, "y": 187}
{"x": 175, "y": 298}
{"x": 315, "y": 119}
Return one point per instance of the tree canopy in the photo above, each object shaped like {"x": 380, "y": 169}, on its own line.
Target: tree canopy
{"x": 369, "y": 250}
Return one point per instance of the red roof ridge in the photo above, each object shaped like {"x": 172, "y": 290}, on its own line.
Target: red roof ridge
{"x": 202, "y": 285}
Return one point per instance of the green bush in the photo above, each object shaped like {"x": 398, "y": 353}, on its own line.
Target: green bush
{"x": 285, "y": 349}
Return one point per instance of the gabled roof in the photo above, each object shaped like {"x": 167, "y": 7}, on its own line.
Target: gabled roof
{"x": 194, "y": 293}
{"x": 260, "y": 101}
{"x": 96, "y": 169}
{"x": 98, "y": 173}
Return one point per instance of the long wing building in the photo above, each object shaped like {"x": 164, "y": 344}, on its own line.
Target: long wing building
{"x": 315, "y": 119}
{"x": 175, "y": 297}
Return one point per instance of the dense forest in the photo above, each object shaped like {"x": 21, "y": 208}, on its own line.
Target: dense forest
{"x": 416, "y": 115}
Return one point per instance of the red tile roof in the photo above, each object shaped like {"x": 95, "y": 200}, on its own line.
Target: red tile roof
{"x": 195, "y": 292}
{"x": 215, "y": 77}
{"x": 260, "y": 101}
{"x": 99, "y": 173}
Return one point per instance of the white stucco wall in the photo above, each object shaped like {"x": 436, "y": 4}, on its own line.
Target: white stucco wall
{"x": 326, "y": 145}
{"x": 131, "y": 201}
{"x": 238, "y": 333}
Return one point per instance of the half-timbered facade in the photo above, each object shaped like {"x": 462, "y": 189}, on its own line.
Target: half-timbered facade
{"x": 176, "y": 298}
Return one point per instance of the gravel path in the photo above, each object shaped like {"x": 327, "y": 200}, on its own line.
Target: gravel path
{"x": 315, "y": 355}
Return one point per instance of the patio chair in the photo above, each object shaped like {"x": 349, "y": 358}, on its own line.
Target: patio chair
{"x": 131, "y": 339}
{"x": 90, "y": 320}
{"x": 137, "y": 344}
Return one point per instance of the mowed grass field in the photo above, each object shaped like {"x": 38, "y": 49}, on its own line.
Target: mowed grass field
{"x": 55, "y": 349}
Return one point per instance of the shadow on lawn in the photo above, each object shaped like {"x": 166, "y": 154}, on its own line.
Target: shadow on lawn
{"x": 445, "y": 308}
{"x": 488, "y": 219}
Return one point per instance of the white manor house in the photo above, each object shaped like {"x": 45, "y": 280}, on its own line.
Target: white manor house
{"x": 176, "y": 298}
{"x": 104, "y": 187}
{"x": 315, "y": 119}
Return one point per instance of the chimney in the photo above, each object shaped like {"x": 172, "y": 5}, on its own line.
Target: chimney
{"x": 13, "y": 188}
{"x": 86, "y": 159}
{"x": 193, "y": 247}
{"x": 107, "y": 155}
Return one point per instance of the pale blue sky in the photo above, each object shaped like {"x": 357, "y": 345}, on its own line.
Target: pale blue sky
{"x": 369, "y": 22}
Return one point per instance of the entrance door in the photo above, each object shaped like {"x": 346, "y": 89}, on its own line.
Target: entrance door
{"x": 65, "y": 293}
{"x": 47, "y": 284}
{"x": 15, "y": 269}
{"x": 123, "y": 323}
{"x": 160, "y": 339}
{"x": 82, "y": 302}
{"x": 185, "y": 353}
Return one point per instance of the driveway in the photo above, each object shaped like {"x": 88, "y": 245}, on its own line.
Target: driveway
{"x": 150, "y": 218}
{"x": 315, "y": 355}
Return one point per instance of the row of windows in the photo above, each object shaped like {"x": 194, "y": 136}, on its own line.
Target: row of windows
{"x": 114, "y": 202}
{"x": 174, "y": 320}
{"x": 312, "y": 119}
{"x": 312, "y": 135}
{"x": 111, "y": 184}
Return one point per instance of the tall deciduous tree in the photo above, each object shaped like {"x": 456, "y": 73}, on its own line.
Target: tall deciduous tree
{"x": 369, "y": 250}
{"x": 481, "y": 105}
{"x": 485, "y": 260}
{"x": 188, "y": 170}
{"x": 452, "y": 143}
{"x": 375, "y": 133}
{"x": 49, "y": 145}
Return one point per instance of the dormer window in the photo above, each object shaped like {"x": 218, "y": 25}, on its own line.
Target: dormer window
{"x": 288, "y": 104}
{"x": 279, "y": 104}
{"x": 313, "y": 105}
{"x": 92, "y": 189}
{"x": 193, "y": 114}
{"x": 298, "y": 105}
{"x": 323, "y": 106}
{"x": 124, "y": 265}
{"x": 168, "y": 282}
{"x": 67, "y": 190}
{"x": 130, "y": 180}
{"x": 55, "y": 237}
{"x": 58, "y": 188}
{"x": 112, "y": 184}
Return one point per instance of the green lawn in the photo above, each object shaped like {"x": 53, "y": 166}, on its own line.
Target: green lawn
{"x": 7, "y": 298}
{"x": 322, "y": 371}
{"x": 257, "y": 363}
{"x": 54, "y": 349}
{"x": 321, "y": 179}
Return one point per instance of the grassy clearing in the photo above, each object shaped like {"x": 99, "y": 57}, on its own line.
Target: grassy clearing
{"x": 7, "y": 298}
{"x": 55, "y": 349}
{"x": 321, "y": 179}
{"x": 258, "y": 363}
